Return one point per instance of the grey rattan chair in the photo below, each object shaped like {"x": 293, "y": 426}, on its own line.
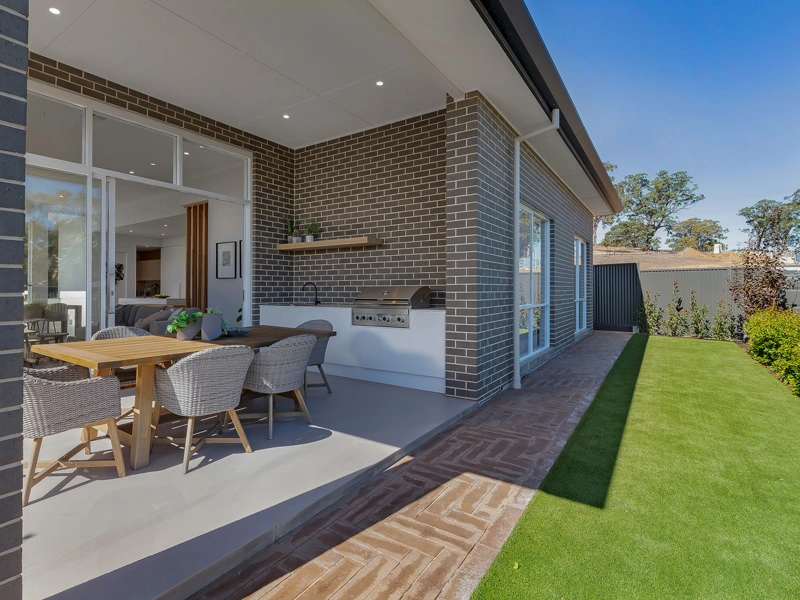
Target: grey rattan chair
{"x": 318, "y": 353}
{"x": 120, "y": 331}
{"x": 125, "y": 375}
{"x": 64, "y": 398}
{"x": 205, "y": 383}
{"x": 280, "y": 369}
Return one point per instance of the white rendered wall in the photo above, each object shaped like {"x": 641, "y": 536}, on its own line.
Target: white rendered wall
{"x": 173, "y": 266}
{"x": 413, "y": 357}
{"x": 225, "y": 224}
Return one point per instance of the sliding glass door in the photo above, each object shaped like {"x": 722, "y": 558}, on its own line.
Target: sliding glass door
{"x": 63, "y": 241}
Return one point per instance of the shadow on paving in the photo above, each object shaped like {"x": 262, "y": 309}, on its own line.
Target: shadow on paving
{"x": 585, "y": 467}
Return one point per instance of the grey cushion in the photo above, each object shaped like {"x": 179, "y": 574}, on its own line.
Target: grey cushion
{"x": 161, "y": 315}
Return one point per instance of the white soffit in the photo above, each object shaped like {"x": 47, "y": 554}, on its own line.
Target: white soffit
{"x": 243, "y": 62}
{"x": 456, "y": 40}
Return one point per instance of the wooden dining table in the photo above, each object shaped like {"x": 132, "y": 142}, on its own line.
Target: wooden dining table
{"x": 145, "y": 353}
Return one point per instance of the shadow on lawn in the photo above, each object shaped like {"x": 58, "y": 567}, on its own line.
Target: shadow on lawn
{"x": 583, "y": 471}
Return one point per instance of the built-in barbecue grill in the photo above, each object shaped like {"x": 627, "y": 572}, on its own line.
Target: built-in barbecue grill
{"x": 389, "y": 306}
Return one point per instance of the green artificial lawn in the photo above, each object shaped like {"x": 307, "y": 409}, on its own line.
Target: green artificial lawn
{"x": 682, "y": 480}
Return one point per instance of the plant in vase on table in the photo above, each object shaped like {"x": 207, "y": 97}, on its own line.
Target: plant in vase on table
{"x": 214, "y": 325}
{"x": 186, "y": 325}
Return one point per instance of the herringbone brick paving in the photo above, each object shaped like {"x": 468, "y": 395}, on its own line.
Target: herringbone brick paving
{"x": 430, "y": 526}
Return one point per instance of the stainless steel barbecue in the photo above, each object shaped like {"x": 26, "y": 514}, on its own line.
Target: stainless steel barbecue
{"x": 389, "y": 306}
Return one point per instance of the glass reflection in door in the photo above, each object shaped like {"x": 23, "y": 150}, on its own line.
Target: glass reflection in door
{"x": 55, "y": 265}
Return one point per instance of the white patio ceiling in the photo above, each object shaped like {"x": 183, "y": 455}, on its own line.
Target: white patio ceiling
{"x": 250, "y": 62}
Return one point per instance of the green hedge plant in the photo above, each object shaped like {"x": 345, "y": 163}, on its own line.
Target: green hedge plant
{"x": 774, "y": 337}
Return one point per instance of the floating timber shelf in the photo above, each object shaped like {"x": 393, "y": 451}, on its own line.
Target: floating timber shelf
{"x": 353, "y": 242}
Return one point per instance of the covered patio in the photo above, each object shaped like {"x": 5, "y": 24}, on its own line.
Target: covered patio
{"x": 159, "y": 533}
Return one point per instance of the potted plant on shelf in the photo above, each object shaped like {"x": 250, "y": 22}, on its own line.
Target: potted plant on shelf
{"x": 186, "y": 325}
{"x": 297, "y": 235}
{"x": 290, "y": 229}
{"x": 312, "y": 229}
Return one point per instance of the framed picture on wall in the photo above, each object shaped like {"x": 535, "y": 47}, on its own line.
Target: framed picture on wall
{"x": 226, "y": 260}
{"x": 241, "y": 259}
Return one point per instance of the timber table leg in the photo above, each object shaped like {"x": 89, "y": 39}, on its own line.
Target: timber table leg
{"x": 142, "y": 416}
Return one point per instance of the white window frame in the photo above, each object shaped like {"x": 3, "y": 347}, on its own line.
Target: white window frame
{"x": 579, "y": 258}
{"x": 87, "y": 169}
{"x": 545, "y": 281}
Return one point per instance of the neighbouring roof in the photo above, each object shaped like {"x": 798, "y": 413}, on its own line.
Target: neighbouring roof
{"x": 666, "y": 259}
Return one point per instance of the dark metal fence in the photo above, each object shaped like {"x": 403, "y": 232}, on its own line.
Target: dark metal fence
{"x": 619, "y": 290}
{"x": 617, "y": 296}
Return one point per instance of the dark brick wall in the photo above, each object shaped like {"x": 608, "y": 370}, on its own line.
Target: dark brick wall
{"x": 480, "y": 254}
{"x": 273, "y": 167}
{"x": 13, "y": 63}
{"x": 388, "y": 182}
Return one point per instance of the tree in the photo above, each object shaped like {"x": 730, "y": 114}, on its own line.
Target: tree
{"x": 700, "y": 234}
{"x": 606, "y": 220}
{"x": 630, "y": 234}
{"x": 760, "y": 283}
{"x": 651, "y": 205}
{"x": 773, "y": 226}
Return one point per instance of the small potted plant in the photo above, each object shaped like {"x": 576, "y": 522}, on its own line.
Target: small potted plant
{"x": 289, "y": 229}
{"x": 214, "y": 325}
{"x": 186, "y": 325}
{"x": 297, "y": 235}
{"x": 312, "y": 229}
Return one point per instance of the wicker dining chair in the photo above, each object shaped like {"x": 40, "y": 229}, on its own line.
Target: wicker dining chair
{"x": 280, "y": 369}
{"x": 63, "y": 398}
{"x": 119, "y": 331}
{"x": 206, "y": 383}
{"x": 318, "y": 353}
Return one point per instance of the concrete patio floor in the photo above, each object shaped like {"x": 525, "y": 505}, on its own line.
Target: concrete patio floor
{"x": 430, "y": 526}
{"x": 160, "y": 533}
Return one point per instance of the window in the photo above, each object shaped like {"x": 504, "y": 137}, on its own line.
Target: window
{"x": 212, "y": 170}
{"x": 534, "y": 279}
{"x": 580, "y": 284}
{"x": 129, "y": 148}
{"x": 55, "y": 129}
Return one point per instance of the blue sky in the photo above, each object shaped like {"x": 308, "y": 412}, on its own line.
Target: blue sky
{"x": 711, "y": 88}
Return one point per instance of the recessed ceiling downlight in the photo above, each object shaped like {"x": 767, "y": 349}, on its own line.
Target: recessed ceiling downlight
{"x": 186, "y": 153}
{"x": 152, "y": 164}
{"x": 285, "y": 116}
{"x": 379, "y": 83}
{"x": 131, "y": 172}
{"x": 55, "y": 11}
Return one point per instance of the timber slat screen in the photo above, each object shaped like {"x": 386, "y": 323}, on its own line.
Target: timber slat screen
{"x": 197, "y": 255}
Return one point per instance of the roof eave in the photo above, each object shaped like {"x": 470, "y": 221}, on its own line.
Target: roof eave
{"x": 511, "y": 24}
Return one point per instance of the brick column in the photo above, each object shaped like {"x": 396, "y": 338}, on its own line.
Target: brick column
{"x": 462, "y": 197}
{"x": 13, "y": 84}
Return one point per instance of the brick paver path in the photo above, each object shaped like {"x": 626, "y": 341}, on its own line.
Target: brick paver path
{"x": 430, "y": 526}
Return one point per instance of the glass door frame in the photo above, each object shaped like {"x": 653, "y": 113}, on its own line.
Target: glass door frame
{"x": 90, "y": 172}
{"x": 581, "y": 269}
{"x": 544, "y": 278}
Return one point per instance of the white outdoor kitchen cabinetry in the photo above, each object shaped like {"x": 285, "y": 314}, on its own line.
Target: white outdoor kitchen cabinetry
{"x": 413, "y": 357}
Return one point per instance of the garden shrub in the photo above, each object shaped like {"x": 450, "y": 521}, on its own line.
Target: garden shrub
{"x": 653, "y": 320}
{"x": 724, "y": 324}
{"x": 775, "y": 341}
{"x": 698, "y": 318}
{"x": 677, "y": 322}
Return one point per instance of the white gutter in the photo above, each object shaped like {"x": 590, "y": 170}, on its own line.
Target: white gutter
{"x": 554, "y": 124}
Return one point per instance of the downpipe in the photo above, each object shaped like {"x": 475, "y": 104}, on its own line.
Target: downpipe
{"x": 555, "y": 120}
